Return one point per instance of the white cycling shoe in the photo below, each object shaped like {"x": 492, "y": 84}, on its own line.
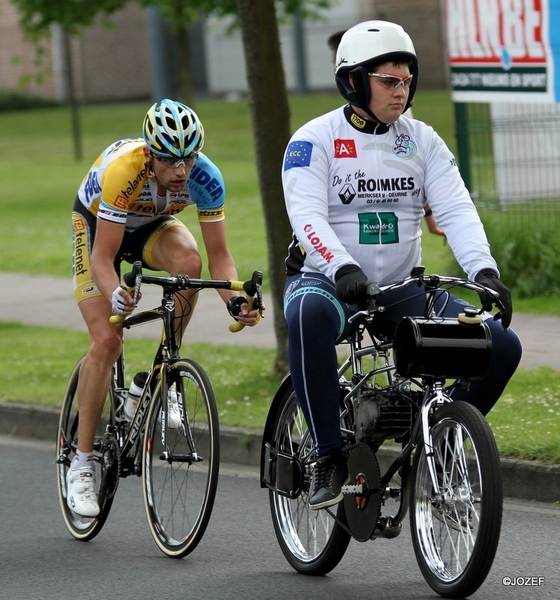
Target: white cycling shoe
{"x": 173, "y": 410}
{"x": 81, "y": 496}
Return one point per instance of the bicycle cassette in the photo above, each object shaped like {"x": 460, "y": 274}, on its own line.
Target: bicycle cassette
{"x": 362, "y": 499}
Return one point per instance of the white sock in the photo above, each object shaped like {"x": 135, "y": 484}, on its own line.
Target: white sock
{"x": 83, "y": 459}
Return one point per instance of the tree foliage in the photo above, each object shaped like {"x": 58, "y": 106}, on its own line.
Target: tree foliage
{"x": 36, "y": 16}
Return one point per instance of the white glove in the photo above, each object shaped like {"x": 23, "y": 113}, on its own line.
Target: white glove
{"x": 117, "y": 302}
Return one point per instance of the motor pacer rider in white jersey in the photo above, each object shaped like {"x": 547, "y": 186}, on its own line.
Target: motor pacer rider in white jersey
{"x": 355, "y": 184}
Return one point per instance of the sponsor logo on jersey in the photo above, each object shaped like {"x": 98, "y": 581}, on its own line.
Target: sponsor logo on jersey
{"x": 390, "y": 184}
{"x": 92, "y": 187}
{"x": 134, "y": 183}
{"x": 345, "y": 149}
{"x": 206, "y": 181}
{"x": 404, "y": 147}
{"x": 79, "y": 224}
{"x": 316, "y": 242}
{"x": 379, "y": 228}
{"x": 357, "y": 121}
{"x": 298, "y": 154}
{"x": 110, "y": 214}
{"x": 121, "y": 202}
{"x": 211, "y": 214}
{"x": 81, "y": 256}
{"x": 347, "y": 194}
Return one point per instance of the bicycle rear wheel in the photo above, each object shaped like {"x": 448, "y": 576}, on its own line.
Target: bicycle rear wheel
{"x": 455, "y": 534}
{"x": 180, "y": 479}
{"x": 312, "y": 541}
{"x": 84, "y": 528}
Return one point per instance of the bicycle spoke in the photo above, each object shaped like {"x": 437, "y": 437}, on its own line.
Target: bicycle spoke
{"x": 180, "y": 479}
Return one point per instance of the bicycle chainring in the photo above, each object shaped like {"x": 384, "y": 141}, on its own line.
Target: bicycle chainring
{"x": 110, "y": 468}
{"x": 362, "y": 498}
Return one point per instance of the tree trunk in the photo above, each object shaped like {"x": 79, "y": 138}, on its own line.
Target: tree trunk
{"x": 270, "y": 114}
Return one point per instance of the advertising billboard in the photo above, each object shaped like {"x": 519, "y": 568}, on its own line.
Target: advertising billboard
{"x": 503, "y": 50}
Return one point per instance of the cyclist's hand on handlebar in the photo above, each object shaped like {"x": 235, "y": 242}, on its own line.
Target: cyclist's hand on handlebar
{"x": 238, "y": 308}
{"x": 489, "y": 279}
{"x": 121, "y": 302}
{"x": 351, "y": 285}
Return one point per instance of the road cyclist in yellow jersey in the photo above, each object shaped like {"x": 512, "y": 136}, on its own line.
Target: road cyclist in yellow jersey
{"x": 125, "y": 210}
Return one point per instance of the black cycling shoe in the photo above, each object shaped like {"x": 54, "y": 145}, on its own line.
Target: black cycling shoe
{"x": 329, "y": 475}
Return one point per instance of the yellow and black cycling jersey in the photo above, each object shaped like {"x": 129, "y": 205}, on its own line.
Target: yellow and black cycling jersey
{"x": 120, "y": 188}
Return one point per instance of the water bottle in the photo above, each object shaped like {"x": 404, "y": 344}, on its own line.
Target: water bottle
{"x": 134, "y": 393}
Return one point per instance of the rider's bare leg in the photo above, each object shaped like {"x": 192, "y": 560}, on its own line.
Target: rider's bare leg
{"x": 176, "y": 252}
{"x": 95, "y": 371}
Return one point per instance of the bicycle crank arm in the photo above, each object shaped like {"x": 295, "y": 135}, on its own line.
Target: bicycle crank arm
{"x": 354, "y": 490}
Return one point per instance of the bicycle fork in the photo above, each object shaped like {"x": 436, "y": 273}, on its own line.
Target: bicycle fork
{"x": 438, "y": 397}
{"x": 171, "y": 457}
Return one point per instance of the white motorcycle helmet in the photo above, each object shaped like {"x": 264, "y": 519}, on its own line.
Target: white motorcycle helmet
{"x": 366, "y": 46}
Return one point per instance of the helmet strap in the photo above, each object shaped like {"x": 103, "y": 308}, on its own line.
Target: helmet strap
{"x": 362, "y": 93}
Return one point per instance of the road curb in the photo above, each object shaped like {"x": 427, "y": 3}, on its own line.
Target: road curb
{"x": 528, "y": 480}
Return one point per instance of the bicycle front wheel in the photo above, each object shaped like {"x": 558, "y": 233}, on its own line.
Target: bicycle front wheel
{"x": 84, "y": 528}
{"x": 180, "y": 478}
{"x": 312, "y": 541}
{"x": 455, "y": 533}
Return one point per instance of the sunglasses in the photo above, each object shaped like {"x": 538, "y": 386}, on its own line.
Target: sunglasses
{"x": 392, "y": 81}
{"x": 173, "y": 161}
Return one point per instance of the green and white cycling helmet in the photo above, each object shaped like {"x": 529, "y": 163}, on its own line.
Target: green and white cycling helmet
{"x": 366, "y": 46}
{"x": 173, "y": 130}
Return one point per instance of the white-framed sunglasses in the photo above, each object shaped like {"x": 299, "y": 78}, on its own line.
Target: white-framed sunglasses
{"x": 176, "y": 162}
{"x": 392, "y": 81}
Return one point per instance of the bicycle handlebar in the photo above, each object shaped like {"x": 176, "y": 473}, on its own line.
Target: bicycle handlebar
{"x": 430, "y": 282}
{"x": 252, "y": 289}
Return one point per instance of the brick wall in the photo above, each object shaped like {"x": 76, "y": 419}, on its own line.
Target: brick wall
{"x": 115, "y": 61}
{"x": 17, "y": 55}
{"x": 422, "y": 21}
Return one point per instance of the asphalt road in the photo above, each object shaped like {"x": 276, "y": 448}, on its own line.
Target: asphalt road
{"x": 238, "y": 557}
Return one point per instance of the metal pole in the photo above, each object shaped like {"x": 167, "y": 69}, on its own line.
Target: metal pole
{"x": 299, "y": 55}
{"x": 161, "y": 87}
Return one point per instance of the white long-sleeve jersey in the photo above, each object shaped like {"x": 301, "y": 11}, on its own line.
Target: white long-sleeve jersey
{"x": 355, "y": 194}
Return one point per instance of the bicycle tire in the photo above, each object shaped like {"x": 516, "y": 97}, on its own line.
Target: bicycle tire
{"x": 82, "y": 528}
{"x": 312, "y": 541}
{"x": 455, "y": 536}
{"x": 179, "y": 494}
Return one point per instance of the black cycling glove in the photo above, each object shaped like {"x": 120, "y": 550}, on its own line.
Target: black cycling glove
{"x": 489, "y": 279}
{"x": 351, "y": 285}
{"x": 234, "y": 306}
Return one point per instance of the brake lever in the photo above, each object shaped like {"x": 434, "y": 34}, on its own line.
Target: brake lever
{"x": 133, "y": 281}
{"x": 253, "y": 294}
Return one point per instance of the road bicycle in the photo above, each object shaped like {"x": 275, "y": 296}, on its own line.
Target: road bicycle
{"x": 439, "y": 458}
{"x": 178, "y": 465}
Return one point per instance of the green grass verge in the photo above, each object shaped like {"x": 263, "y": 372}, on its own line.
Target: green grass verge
{"x": 35, "y": 364}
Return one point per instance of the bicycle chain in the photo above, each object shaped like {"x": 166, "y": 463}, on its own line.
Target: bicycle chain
{"x": 110, "y": 467}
